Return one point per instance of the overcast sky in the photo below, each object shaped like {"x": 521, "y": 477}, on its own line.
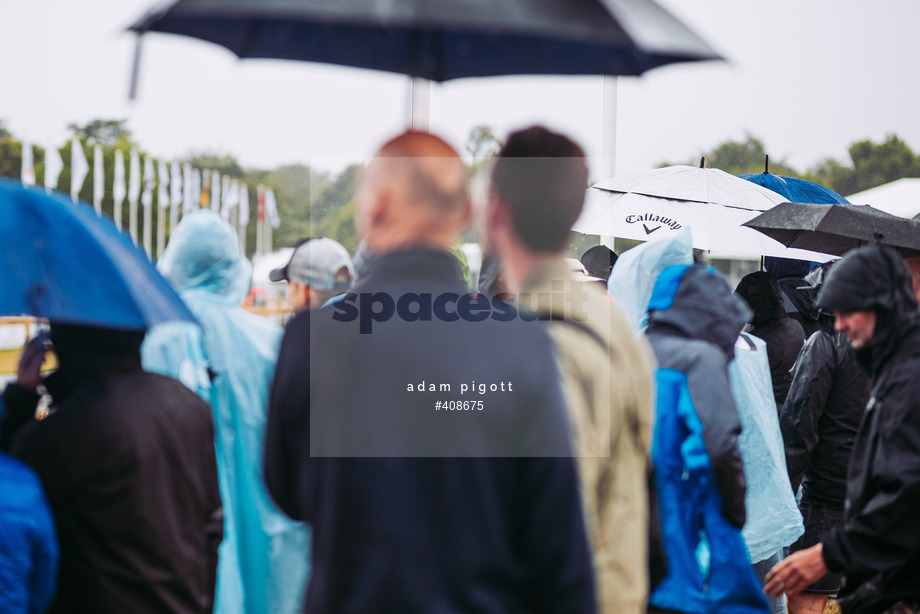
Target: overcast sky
{"x": 808, "y": 77}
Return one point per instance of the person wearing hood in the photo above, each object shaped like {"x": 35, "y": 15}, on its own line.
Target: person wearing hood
{"x": 127, "y": 463}
{"x": 878, "y": 546}
{"x": 229, "y": 361}
{"x": 819, "y": 421}
{"x": 790, "y": 274}
{"x": 783, "y": 335}
{"x": 693, "y": 324}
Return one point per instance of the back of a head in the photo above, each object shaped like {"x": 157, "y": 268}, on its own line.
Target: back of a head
{"x": 84, "y": 349}
{"x": 429, "y": 169}
{"x": 204, "y": 252}
{"x": 871, "y": 277}
{"x": 415, "y": 192}
{"x": 599, "y": 261}
{"x": 696, "y": 302}
{"x": 762, "y": 294}
{"x": 541, "y": 177}
{"x": 320, "y": 263}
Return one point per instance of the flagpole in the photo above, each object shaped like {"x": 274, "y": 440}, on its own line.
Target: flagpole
{"x": 147, "y": 201}
{"x": 243, "y": 217}
{"x": 98, "y": 179}
{"x": 177, "y": 186}
{"x": 260, "y": 220}
{"x": 28, "y": 164}
{"x": 118, "y": 187}
{"x": 609, "y": 136}
{"x": 79, "y": 168}
{"x": 134, "y": 191}
{"x": 161, "y": 229}
{"x": 162, "y": 203}
{"x": 419, "y": 103}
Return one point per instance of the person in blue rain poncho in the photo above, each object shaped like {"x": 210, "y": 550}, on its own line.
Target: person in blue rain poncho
{"x": 772, "y": 519}
{"x": 229, "y": 360}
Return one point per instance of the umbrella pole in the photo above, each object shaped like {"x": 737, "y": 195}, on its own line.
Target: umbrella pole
{"x": 419, "y": 103}
{"x": 609, "y": 136}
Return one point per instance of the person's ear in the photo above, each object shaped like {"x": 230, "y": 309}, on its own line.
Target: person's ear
{"x": 496, "y": 215}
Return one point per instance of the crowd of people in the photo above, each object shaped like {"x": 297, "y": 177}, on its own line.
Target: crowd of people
{"x": 656, "y": 442}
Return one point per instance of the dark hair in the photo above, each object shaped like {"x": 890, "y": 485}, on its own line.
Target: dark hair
{"x": 599, "y": 261}
{"x": 541, "y": 177}
{"x": 762, "y": 294}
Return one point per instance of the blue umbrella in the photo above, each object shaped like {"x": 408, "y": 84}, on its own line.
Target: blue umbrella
{"x": 794, "y": 189}
{"x": 63, "y": 262}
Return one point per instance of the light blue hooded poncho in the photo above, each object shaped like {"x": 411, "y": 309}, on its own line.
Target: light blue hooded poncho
{"x": 773, "y": 518}
{"x": 229, "y": 360}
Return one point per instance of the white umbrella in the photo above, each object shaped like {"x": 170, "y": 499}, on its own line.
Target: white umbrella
{"x": 711, "y": 202}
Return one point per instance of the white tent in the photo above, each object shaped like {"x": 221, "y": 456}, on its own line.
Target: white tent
{"x": 900, "y": 197}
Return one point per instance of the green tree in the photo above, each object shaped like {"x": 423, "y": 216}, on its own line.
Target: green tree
{"x": 106, "y": 132}
{"x": 4, "y": 133}
{"x": 482, "y": 144}
{"x": 747, "y": 156}
{"x": 873, "y": 164}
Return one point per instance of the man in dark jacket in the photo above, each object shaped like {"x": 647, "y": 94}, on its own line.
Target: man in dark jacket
{"x": 878, "y": 546}
{"x": 418, "y": 504}
{"x": 127, "y": 462}
{"x": 819, "y": 422}
{"x": 694, "y": 321}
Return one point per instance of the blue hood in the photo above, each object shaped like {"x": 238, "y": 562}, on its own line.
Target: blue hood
{"x": 695, "y": 302}
{"x": 204, "y": 254}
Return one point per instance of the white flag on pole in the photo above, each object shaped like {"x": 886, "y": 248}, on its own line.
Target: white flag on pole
{"x": 244, "y": 205}
{"x": 28, "y": 166}
{"x": 147, "y": 196}
{"x": 196, "y": 190}
{"x": 79, "y": 167}
{"x": 271, "y": 208}
{"x": 231, "y": 197}
{"x": 98, "y": 178}
{"x": 188, "y": 191}
{"x": 215, "y": 190}
{"x": 163, "y": 185}
{"x": 226, "y": 197}
{"x": 134, "y": 179}
{"x": 53, "y": 167}
{"x": 119, "y": 191}
{"x": 177, "y": 193}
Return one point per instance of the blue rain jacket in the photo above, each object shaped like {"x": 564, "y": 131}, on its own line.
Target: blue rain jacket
{"x": 773, "y": 519}
{"x": 693, "y": 323}
{"x": 263, "y": 559}
{"x": 28, "y": 544}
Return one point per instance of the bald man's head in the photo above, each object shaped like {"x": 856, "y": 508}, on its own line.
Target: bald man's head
{"x": 414, "y": 191}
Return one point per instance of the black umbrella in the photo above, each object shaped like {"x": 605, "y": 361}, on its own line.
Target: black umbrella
{"x": 836, "y": 229}
{"x": 442, "y": 39}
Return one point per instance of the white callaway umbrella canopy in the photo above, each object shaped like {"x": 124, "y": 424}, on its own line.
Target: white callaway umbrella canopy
{"x": 711, "y": 202}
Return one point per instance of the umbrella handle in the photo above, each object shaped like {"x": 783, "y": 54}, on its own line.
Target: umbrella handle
{"x": 135, "y": 69}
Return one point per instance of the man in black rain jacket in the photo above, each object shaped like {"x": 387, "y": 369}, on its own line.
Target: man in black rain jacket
{"x": 878, "y": 546}
{"x": 127, "y": 461}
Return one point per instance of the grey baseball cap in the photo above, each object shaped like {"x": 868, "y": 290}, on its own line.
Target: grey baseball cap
{"x": 317, "y": 263}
